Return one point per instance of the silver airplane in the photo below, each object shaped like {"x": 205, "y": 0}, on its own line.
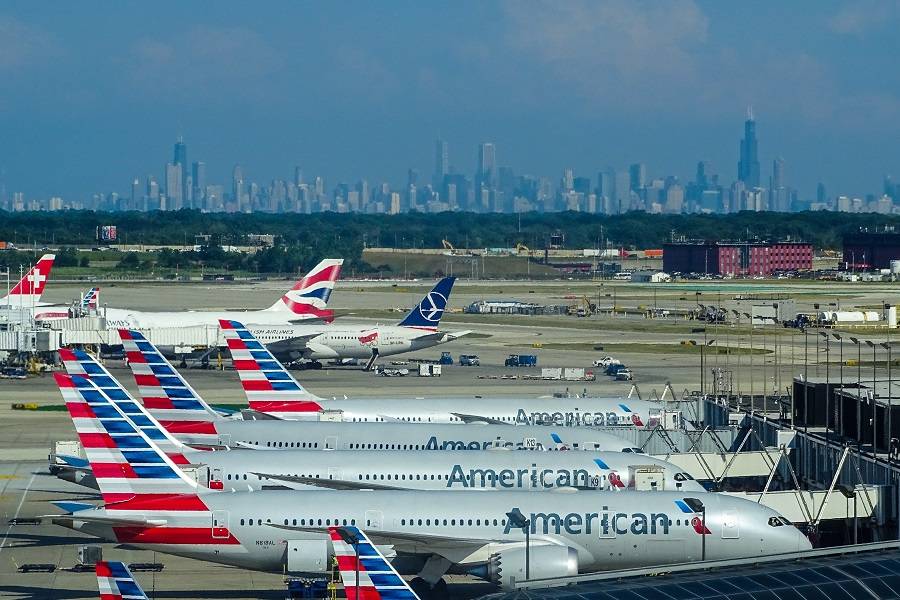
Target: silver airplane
{"x": 150, "y": 503}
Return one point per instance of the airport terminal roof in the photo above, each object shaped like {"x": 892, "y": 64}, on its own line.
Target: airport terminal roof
{"x": 845, "y": 573}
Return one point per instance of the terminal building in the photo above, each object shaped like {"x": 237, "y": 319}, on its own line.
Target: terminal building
{"x": 736, "y": 259}
{"x": 865, "y": 250}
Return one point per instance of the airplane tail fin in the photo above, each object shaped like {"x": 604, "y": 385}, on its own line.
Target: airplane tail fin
{"x": 91, "y": 299}
{"x": 378, "y": 580}
{"x": 126, "y": 463}
{"x": 80, "y": 363}
{"x": 166, "y": 395}
{"x": 117, "y": 583}
{"x": 28, "y": 290}
{"x": 308, "y": 299}
{"x": 427, "y": 313}
{"x": 269, "y": 387}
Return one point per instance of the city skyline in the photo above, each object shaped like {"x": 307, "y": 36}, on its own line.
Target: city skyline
{"x": 96, "y": 94}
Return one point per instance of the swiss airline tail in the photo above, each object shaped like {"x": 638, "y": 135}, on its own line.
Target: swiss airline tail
{"x": 126, "y": 463}
{"x": 309, "y": 297}
{"x": 117, "y": 583}
{"x": 357, "y": 556}
{"x": 269, "y": 387}
{"x": 29, "y": 289}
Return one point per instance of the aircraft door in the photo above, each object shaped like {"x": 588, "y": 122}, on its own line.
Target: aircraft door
{"x": 331, "y": 442}
{"x": 730, "y": 525}
{"x": 220, "y": 524}
{"x": 224, "y": 439}
{"x": 215, "y": 479}
{"x": 374, "y": 519}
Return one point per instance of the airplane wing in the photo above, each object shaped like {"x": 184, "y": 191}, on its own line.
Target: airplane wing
{"x": 427, "y": 540}
{"x": 469, "y": 419}
{"x": 443, "y": 336}
{"x": 332, "y": 484}
{"x": 248, "y": 414}
{"x": 107, "y": 519}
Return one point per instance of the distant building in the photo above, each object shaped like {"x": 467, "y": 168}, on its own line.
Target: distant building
{"x": 736, "y": 258}
{"x": 866, "y": 250}
{"x": 748, "y": 166}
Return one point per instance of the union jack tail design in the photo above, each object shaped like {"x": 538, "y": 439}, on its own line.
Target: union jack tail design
{"x": 268, "y": 385}
{"x": 91, "y": 298}
{"x": 29, "y": 289}
{"x": 127, "y": 465}
{"x": 117, "y": 583}
{"x": 166, "y": 395}
{"x": 378, "y": 580}
{"x": 80, "y": 363}
{"x": 308, "y": 298}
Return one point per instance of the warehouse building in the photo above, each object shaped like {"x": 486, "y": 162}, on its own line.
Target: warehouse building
{"x": 737, "y": 259}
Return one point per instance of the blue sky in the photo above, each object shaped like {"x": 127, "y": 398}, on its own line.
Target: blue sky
{"x": 95, "y": 93}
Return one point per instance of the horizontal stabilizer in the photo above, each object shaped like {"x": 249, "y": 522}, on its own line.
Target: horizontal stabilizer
{"x": 71, "y": 507}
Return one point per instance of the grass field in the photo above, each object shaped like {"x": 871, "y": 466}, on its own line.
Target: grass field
{"x": 628, "y": 348}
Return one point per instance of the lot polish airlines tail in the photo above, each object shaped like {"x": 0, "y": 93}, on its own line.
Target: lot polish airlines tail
{"x": 28, "y": 291}
{"x": 270, "y": 388}
{"x": 427, "y": 313}
{"x": 80, "y": 363}
{"x": 309, "y": 296}
{"x": 378, "y": 580}
{"x": 116, "y": 582}
{"x": 166, "y": 394}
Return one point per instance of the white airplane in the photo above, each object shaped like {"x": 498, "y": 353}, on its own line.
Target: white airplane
{"x": 306, "y": 300}
{"x": 151, "y": 504}
{"x": 417, "y": 331}
{"x": 251, "y": 469}
{"x": 88, "y": 304}
{"x": 272, "y": 390}
{"x": 26, "y": 294}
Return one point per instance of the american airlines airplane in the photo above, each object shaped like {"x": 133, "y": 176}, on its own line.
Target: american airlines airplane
{"x": 306, "y": 300}
{"x": 272, "y": 390}
{"x": 151, "y": 504}
{"x": 250, "y": 469}
{"x": 27, "y": 292}
{"x": 419, "y": 330}
{"x": 116, "y": 582}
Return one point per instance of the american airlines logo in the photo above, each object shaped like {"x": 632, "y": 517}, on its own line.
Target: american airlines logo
{"x": 432, "y": 306}
{"x": 603, "y": 524}
{"x": 526, "y": 444}
{"x": 532, "y": 477}
{"x": 573, "y": 418}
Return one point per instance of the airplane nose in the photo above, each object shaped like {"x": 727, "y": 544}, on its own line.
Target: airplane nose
{"x": 803, "y": 542}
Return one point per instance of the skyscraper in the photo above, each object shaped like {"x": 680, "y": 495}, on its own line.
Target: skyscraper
{"x": 441, "y": 163}
{"x": 486, "y": 173}
{"x": 748, "y": 166}
{"x": 180, "y": 159}
{"x": 174, "y": 183}
{"x": 198, "y": 179}
{"x": 237, "y": 187}
{"x": 638, "y": 176}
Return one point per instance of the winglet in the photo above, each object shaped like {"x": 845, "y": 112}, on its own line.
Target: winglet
{"x": 427, "y": 313}
{"x": 117, "y": 583}
{"x": 378, "y": 580}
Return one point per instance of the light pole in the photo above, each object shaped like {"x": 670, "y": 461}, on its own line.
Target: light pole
{"x": 873, "y": 346}
{"x": 858, "y": 397}
{"x": 890, "y": 404}
{"x": 738, "y": 349}
{"x": 517, "y": 519}
{"x": 839, "y": 409}
{"x": 752, "y": 397}
{"x": 698, "y": 507}
{"x": 827, "y": 381}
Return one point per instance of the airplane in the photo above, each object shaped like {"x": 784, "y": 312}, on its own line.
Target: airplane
{"x": 417, "y": 331}
{"x": 365, "y": 572}
{"x": 27, "y": 292}
{"x": 116, "y": 582}
{"x": 273, "y": 391}
{"x": 89, "y": 302}
{"x": 306, "y": 300}
{"x": 150, "y": 503}
{"x": 250, "y": 469}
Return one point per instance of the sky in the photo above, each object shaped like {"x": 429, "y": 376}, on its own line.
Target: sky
{"x": 93, "y": 94}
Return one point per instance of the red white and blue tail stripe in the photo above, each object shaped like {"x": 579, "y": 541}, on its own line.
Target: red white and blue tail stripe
{"x": 269, "y": 387}
{"x": 117, "y": 583}
{"x": 166, "y": 394}
{"x": 308, "y": 298}
{"x": 378, "y": 580}
{"x": 79, "y": 362}
{"x": 125, "y": 462}
{"x": 91, "y": 298}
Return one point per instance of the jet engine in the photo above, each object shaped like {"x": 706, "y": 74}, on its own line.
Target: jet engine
{"x": 309, "y": 557}
{"x": 508, "y": 566}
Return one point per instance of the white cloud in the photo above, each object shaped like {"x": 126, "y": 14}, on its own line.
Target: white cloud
{"x": 22, "y": 44}
{"x": 862, "y": 16}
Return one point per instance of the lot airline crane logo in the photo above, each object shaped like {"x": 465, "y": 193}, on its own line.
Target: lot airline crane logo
{"x": 432, "y": 307}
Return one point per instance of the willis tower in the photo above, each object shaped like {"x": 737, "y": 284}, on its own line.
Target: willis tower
{"x": 748, "y": 166}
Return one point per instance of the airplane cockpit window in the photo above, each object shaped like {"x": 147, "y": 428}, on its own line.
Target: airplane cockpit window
{"x": 775, "y": 522}
{"x": 683, "y": 477}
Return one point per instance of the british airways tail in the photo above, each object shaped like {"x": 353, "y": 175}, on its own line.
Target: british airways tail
{"x": 126, "y": 463}
{"x": 27, "y": 292}
{"x": 308, "y": 298}
{"x": 80, "y": 363}
{"x": 269, "y": 387}
{"x": 427, "y": 313}
{"x": 166, "y": 394}
{"x": 117, "y": 583}
{"x": 91, "y": 299}
{"x": 378, "y": 580}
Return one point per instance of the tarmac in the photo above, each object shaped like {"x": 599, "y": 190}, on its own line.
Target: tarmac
{"x": 27, "y": 488}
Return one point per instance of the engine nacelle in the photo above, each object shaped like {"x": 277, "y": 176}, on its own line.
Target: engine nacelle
{"x": 508, "y": 566}
{"x": 308, "y": 557}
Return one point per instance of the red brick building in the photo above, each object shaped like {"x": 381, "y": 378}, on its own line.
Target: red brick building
{"x": 737, "y": 258}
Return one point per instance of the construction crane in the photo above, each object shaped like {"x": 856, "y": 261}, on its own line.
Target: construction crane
{"x": 447, "y": 245}
{"x": 520, "y": 248}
